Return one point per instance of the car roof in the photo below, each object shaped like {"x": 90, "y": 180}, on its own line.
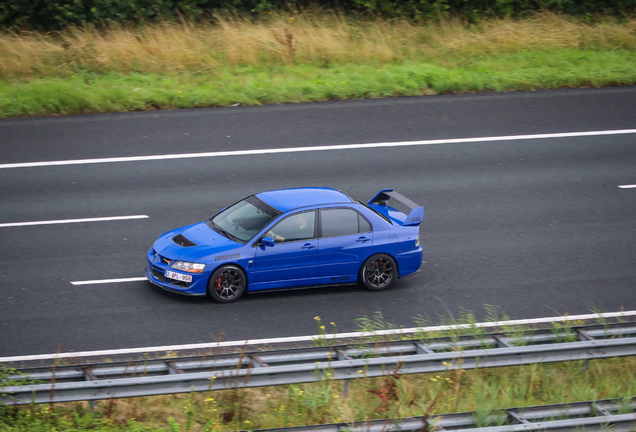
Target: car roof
{"x": 289, "y": 199}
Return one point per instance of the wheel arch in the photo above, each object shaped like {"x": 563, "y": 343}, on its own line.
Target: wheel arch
{"x": 247, "y": 281}
{"x": 219, "y": 265}
{"x": 371, "y": 255}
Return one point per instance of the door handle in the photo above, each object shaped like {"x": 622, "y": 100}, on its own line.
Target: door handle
{"x": 362, "y": 240}
{"x": 307, "y": 246}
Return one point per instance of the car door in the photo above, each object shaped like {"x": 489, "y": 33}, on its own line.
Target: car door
{"x": 344, "y": 243}
{"x": 292, "y": 259}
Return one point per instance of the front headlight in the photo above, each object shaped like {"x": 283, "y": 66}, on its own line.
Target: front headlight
{"x": 188, "y": 266}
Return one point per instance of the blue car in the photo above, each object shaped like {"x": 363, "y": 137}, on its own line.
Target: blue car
{"x": 291, "y": 238}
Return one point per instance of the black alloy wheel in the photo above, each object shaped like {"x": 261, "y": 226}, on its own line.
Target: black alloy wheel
{"x": 227, "y": 284}
{"x": 378, "y": 272}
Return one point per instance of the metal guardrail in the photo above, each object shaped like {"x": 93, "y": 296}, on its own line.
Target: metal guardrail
{"x": 614, "y": 415}
{"x": 339, "y": 362}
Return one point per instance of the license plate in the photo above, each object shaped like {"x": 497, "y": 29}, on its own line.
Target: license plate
{"x": 178, "y": 276}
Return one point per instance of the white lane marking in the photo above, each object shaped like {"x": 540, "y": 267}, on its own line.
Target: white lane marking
{"x": 105, "y": 281}
{"x": 627, "y": 186}
{"x": 316, "y": 148}
{"x": 310, "y": 338}
{"x": 67, "y": 221}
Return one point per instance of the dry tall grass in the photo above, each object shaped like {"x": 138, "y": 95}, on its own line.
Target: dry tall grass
{"x": 320, "y": 39}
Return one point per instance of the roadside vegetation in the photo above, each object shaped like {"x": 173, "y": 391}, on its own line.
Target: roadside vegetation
{"x": 395, "y": 395}
{"x": 392, "y": 396}
{"x": 311, "y": 56}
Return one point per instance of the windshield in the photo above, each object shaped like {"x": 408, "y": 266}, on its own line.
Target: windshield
{"x": 244, "y": 220}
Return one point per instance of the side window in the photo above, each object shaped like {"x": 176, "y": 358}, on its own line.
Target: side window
{"x": 294, "y": 228}
{"x": 364, "y": 224}
{"x": 338, "y": 222}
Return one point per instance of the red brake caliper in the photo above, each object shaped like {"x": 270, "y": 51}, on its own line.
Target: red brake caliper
{"x": 218, "y": 283}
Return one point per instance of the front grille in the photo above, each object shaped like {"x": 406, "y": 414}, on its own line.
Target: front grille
{"x": 165, "y": 260}
{"x": 158, "y": 274}
{"x": 179, "y": 283}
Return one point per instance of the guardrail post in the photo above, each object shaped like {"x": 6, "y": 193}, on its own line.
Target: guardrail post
{"x": 600, "y": 410}
{"x": 257, "y": 361}
{"x": 502, "y": 343}
{"x": 584, "y": 336}
{"x": 516, "y": 417}
{"x": 173, "y": 368}
{"x": 423, "y": 349}
{"x": 342, "y": 355}
{"x": 89, "y": 376}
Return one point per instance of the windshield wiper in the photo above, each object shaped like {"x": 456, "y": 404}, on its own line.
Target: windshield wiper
{"x": 225, "y": 232}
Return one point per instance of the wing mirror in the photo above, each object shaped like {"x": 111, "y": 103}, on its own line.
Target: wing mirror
{"x": 267, "y": 241}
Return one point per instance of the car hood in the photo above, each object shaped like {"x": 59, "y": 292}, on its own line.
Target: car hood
{"x": 208, "y": 242}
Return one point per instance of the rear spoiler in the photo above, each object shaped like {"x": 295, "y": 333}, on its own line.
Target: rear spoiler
{"x": 416, "y": 214}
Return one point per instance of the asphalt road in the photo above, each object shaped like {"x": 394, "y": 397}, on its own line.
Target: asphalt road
{"x": 535, "y": 227}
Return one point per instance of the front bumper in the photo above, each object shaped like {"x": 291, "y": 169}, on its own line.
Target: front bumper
{"x": 156, "y": 270}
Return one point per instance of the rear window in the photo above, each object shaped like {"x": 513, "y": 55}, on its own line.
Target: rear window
{"x": 363, "y": 224}
{"x": 341, "y": 222}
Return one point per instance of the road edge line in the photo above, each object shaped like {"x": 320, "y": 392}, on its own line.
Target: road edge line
{"x": 314, "y": 337}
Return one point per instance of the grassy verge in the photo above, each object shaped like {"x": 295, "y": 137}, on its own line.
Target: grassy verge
{"x": 251, "y": 85}
{"x": 391, "y": 396}
{"x": 312, "y": 57}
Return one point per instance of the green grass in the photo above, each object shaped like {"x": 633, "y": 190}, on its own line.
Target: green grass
{"x": 91, "y": 92}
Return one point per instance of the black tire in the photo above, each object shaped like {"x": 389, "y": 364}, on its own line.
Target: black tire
{"x": 227, "y": 284}
{"x": 378, "y": 272}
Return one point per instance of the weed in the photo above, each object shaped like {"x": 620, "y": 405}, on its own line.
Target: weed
{"x": 322, "y": 339}
{"x": 10, "y": 377}
{"x": 464, "y": 325}
{"x": 517, "y": 335}
{"x": 562, "y": 332}
{"x": 485, "y": 413}
{"x": 287, "y": 42}
{"x": 625, "y": 406}
{"x": 373, "y": 324}
{"x": 369, "y": 326}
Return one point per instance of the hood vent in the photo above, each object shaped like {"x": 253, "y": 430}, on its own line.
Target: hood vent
{"x": 182, "y": 241}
